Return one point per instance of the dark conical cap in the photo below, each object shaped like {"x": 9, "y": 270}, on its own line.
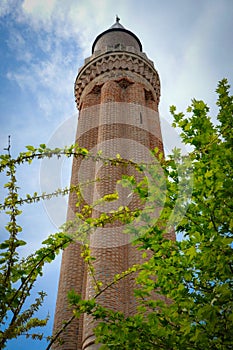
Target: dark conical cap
{"x": 115, "y": 35}
{"x": 117, "y": 24}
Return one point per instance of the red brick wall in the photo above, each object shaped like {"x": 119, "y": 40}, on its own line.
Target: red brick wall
{"x": 118, "y": 114}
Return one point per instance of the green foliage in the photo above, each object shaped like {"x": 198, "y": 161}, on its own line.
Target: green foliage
{"x": 185, "y": 287}
{"x": 185, "y": 295}
{"x": 18, "y": 274}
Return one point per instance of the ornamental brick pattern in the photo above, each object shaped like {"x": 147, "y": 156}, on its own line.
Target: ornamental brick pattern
{"x": 117, "y": 93}
{"x": 118, "y": 64}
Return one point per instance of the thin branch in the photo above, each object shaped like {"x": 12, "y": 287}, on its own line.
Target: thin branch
{"x": 60, "y": 331}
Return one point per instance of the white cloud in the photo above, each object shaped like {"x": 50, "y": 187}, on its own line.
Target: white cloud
{"x": 77, "y": 19}
{"x": 6, "y": 7}
{"x": 39, "y": 8}
{"x": 198, "y": 71}
{"x": 18, "y": 45}
{"x": 55, "y": 24}
{"x": 49, "y": 76}
{"x": 179, "y": 44}
{"x": 185, "y": 39}
{"x": 50, "y": 85}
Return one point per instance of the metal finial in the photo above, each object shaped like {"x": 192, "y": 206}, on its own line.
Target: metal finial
{"x": 117, "y": 19}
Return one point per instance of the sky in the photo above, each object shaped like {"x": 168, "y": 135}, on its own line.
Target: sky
{"x": 44, "y": 43}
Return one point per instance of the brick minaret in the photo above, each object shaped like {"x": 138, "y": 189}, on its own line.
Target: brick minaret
{"x": 117, "y": 94}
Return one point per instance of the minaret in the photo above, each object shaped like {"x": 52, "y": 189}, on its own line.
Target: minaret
{"x": 117, "y": 93}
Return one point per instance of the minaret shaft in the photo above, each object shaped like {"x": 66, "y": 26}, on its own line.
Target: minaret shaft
{"x": 117, "y": 93}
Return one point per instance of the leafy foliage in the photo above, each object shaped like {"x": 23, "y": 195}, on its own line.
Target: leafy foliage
{"x": 185, "y": 299}
{"x": 18, "y": 274}
{"x": 185, "y": 287}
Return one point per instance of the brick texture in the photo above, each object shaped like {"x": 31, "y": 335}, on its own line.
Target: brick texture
{"x": 117, "y": 94}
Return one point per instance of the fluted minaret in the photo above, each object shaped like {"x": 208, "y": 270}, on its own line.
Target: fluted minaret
{"x": 117, "y": 93}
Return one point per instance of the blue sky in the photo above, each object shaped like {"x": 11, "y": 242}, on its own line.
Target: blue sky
{"x": 44, "y": 42}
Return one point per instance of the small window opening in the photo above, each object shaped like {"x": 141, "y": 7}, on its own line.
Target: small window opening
{"x": 149, "y": 96}
{"x": 140, "y": 117}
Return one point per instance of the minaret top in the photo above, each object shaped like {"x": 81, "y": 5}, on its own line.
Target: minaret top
{"x": 115, "y": 36}
{"x": 117, "y": 24}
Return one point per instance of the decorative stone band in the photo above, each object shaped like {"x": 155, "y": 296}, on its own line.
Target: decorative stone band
{"x": 115, "y": 61}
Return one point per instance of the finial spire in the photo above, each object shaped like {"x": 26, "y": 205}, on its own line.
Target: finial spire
{"x": 117, "y": 19}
